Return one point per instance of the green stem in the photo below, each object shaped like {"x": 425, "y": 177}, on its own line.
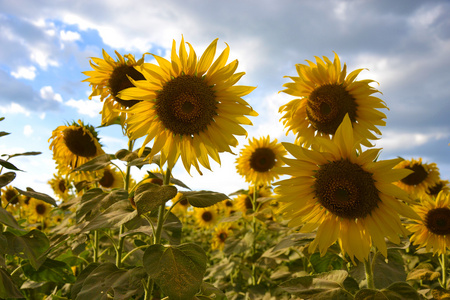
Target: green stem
{"x": 369, "y": 273}
{"x": 95, "y": 258}
{"x": 161, "y": 211}
{"x": 444, "y": 267}
{"x": 255, "y": 207}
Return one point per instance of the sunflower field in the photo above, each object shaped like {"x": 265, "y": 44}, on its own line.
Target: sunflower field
{"x": 322, "y": 218}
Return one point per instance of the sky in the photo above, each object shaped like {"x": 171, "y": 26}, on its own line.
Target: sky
{"x": 45, "y": 45}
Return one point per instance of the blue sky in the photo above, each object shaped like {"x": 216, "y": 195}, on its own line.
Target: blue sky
{"x": 405, "y": 45}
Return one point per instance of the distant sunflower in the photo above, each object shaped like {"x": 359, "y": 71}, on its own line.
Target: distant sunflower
{"x": 228, "y": 207}
{"x": 182, "y": 206}
{"x": 244, "y": 203}
{"x": 108, "y": 79}
{"x": 11, "y": 197}
{"x": 39, "y": 210}
{"x": 257, "y": 160}
{"x": 327, "y": 94}
{"x": 60, "y": 186}
{"x": 191, "y": 108}
{"x": 432, "y": 231}
{"x": 206, "y": 217}
{"x": 348, "y": 197}
{"x": 74, "y": 145}
{"x": 424, "y": 176}
{"x": 442, "y": 185}
{"x": 111, "y": 178}
{"x": 221, "y": 233}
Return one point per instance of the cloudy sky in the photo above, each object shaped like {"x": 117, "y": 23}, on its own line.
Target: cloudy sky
{"x": 45, "y": 45}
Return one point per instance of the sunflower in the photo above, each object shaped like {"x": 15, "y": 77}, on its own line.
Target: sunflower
{"x": 111, "y": 178}
{"x": 257, "y": 160}
{"x": 442, "y": 185}
{"x": 182, "y": 206}
{"x": 220, "y": 235}
{"x": 38, "y": 210}
{"x": 206, "y": 217}
{"x": 108, "y": 79}
{"x": 432, "y": 231}
{"x": 191, "y": 108}
{"x": 11, "y": 198}
{"x": 345, "y": 195}
{"x": 423, "y": 177}
{"x": 60, "y": 186}
{"x": 244, "y": 203}
{"x": 74, "y": 145}
{"x": 327, "y": 94}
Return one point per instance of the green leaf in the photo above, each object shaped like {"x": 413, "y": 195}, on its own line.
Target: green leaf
{"x": 44, "y": 197}
{"x": 8, "y": 288}
{"x": 204, "y": 198}
{"x": 388, "y": 271}
{"x": 178, "y": 270}
{"x": 8, "y": 165}
{"x": 31, "y": 153}
{"x": 396, "y": 291}
{"x": 149, "y": 196}
{"x": 50, "y": 270}
{"x": 330, "y": 261}
{"x": 422, "y": 274}
{"x": 31, "y": 246}
{"x": 114, "y": 216}
{"x": 6, "y": 178}
{"x": 3, "y": 133}
{"x": 95, "y": 164}
{"x": 78, "y": 285}
{"x": 295, "y": 240}
{"x": 8, "y": 219}
{"x": 172, "y": 180}
{"x": 95, "y": 200}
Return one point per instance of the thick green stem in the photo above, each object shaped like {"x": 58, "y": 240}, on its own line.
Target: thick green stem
{"x": 255, "y": 207}
{"x": 444, "y": 267}
{"x": 96, "y": 239}
{"x": 369, "y": 273}
{"x": 161, "y": 211}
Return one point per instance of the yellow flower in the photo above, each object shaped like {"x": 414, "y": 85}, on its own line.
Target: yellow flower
{"x": 38, "y": 210}
{"x": 220, "y": 235}
{"x": 327, "y": 94}
{"x": 423, "y": 177}
{"x": 432, "y": 231}
{"x": 206, "y": 217}
{"x": 257, "y": 160}
{"x": 347, "y": 197}
{"x": 442, "y": 185}
{"x": 182, "y": 206}
{"x": 111, "y": 178}
{"x": 11, "y": 197}
{"x": 244, "y": 203}
{"x": 108, "y": 79}
{"x": 74, "y": 145}
{"x": 60, "y": 186}
{"x": 191, "y": 108}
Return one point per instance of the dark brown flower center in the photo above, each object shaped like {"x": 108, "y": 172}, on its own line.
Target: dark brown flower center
{"x": 228, "y": 203}
{"x": 12, "y": 197}
{"x": 186, "y": 105}
{"x": 346, "y": 190}
{"x": 327, "y": 106}
{"x": 262, "y": 160}
{"x": 119, "y": 81}
{"x": 438, "y": 221}
{"x": 62, "y": 186}
{"x": 108, "y": 179}
{"x": 184, "y": 202}
{"x": 207, "y": 216}
{"x": 222, "y": 236}
{"x": 435, "y": 189}
{"x": 41, "y": 209}
{"x": 248, "y": 202}
{"x": 79, "y": 142}
{"x": 415, "y": 178}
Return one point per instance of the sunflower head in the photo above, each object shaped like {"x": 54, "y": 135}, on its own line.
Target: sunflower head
{"x": 60, "y": 186}
{"x": 38, "y": 210}
{"x": 11, "y": 197}
{"x": 74, "y": 145}
{"x": 345, "y": 194}
{"x": 327, "y": 94}
{"x": 190, "y": 107}
{"x": 181, "y": 207}
{"x": 257, "y": 160}
{"x": 441, "y": 186}
{"x": 432, "y": 230}
{"x": 221, "y": 233}
{"x": 108, "y": 78}
{"x": 423, "y": 177}
{"x": 111, "y": 178}
{"x": 206, "y": 217}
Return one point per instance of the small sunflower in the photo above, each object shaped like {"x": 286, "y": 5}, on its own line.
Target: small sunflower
{"x": 111, "y": 178}
{"x": 257, "y": 160}
{"x": 206, "y": 217}
{"x": 60, "y": 186}
{"x": 182, "y": 206}
{"x": 442, "y": 185}
{"x": 228, "y": 207}
{"x": 346, "y": 195}
{"x": 191, "y": 108}
{"x": 432, "y": 231}
{"x": 423, "y": 177}
{"x": 220, "y": 235}
{"x": 108, "y": 79}
{"x": 327, "y": 94}
{"x": 38, "y": 210}
{"x": 244, "y": 203}
{"x": 74, "y": 145}
{"x": 11, "y": 197}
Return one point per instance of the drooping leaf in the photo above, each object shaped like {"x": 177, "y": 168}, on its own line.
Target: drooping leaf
{"x": 178, "y": 270}
{"x": 40, "y": 196}
{"x": 149, "y": 196}
{"x": 8, "y": 165}
{"x": 95, "y": 200}
{"x": 31, "y": 153}
{"x": 31, "y": 246}
{"x": 8, "y": 288}
{"x": 78, "y": 285}
{"x": 204, "y": 198}
{"x": 95, "y": 164}
{"x": 7, "y": 219}
{"x": 330, "y": 261}
{"x": 172, "y": 180}
{"x": 397, "y": 290}
{"x": 422, "y": 274}
{"x": 3, "y": 133}
{"x": 6, "y": 178}
{"x": 114, "y": 216}
{"x": 50, "y": 270}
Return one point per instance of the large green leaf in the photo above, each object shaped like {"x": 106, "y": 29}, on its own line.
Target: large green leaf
{"x": 95, "y": 164}
{"x": 8, "y": 165}
{"x": 44, "y": 197}
{"x": 95, "y": 200}
{"x": 178, "y": 270}
{"x": 396, "y": 291}
{"x": 3, "y": 133}
{"x": 6, "y": 178}
{"x": 114, "y": 216}
{"x": 31, "y": 246}
{"x": 50, "y": 270}
{"x": 8, "y": 219}
{"x": 149, "y": 196}
{"x": 8, "y": 288}
{"x": 172, "y": 180}
{"x": 204, "y": 198}
{"x": 330, "y": 261}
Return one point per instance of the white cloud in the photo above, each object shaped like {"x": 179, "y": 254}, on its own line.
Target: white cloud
{"x": 14, "y": 108}
{"x": 25, "y": 72}
{"x": 86, "y": 107}
{"x": 42, "y": 58}
{"x": 27, "y": 130}
{"x": 69, "y": 36}
{"x": 47, "y": 93}
{"x": 393, "y": 140}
